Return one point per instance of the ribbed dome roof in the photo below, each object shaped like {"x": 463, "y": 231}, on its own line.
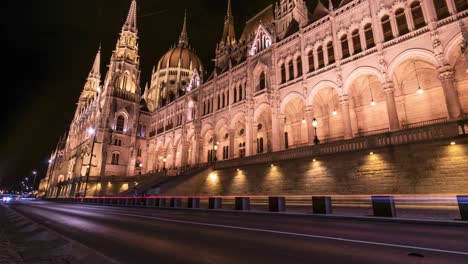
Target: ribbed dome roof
{"x": 184, "y": 54}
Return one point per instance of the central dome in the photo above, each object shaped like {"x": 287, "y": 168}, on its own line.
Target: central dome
{"x": 187, "y": 58}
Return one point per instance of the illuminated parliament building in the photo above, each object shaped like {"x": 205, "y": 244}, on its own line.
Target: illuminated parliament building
{"x": 334, "y": 74}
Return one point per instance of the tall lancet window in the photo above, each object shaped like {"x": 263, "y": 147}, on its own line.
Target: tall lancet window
{"x": 262, "y": 79}
{"x": 401, "y": 21}
{"x": 418, "y": 16}
{"x": 120, "y": 125}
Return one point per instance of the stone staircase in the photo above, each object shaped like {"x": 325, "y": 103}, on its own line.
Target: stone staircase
{"x": 148, "y": 184}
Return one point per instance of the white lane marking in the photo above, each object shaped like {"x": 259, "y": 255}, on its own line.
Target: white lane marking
{"x": 295, "y": 234}
{"x": 282, "y": 232}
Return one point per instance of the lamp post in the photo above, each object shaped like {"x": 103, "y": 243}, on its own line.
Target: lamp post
{"x": 315, "y": 124}
{"x": 91, "y": 132}
{"x": 214, "y": 153}
{"x": 140, "y": 166}
{"x": 51, "y": 168}
{"x": 34, "y": 180}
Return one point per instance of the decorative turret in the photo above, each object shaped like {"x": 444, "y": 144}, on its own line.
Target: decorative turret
{"x": 124, "y": 74}
{"x": 289, "y": 16}
{"x": 183, "y": 39}
{"x": 228, "y": 41}
{"x": 131, "y": 23}
{"x": 229, "y": 34}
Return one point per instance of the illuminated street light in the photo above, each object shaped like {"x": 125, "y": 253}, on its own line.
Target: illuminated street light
{"x": 315, "y": 124}
{"x": 91, "y": 132}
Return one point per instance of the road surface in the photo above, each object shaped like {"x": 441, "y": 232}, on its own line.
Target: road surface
{"x": 140, "y": 235}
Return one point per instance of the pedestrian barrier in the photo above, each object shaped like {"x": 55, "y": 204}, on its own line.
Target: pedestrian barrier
{"x": 383, "y": 206}
{"x": 242, "y": 203}
{"x": 215, "y": 203}
{"x": 193, "y": 202}
{"x": 462, "y": 201}
{"x": 456, "y": 207}
{"x": 321, "y": 204}
{"x": 276, "y": 204}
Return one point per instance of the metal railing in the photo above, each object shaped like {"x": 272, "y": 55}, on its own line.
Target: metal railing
{"x": 433, "y": 130}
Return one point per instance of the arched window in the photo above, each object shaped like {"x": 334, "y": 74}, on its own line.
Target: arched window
{"x": 115, "y": 159}
{"x": 321, "y": 61}
{"x": 461, "y": 5}
{"x": 291, "y": 70}
{"x": 387, "y": 28}
{"x": 219, "y": 101}
{"x": 120, "y": 124}
{"x": 331, "y": 53}
{"x": 283, "y": 73}
{"x": 370, "y": 43}
{"x": 401, "y": 22}
{"x": 418, "y": 16}
{"x": 356, "y": 41}
{"x": 235, "y": 95}
{"x": 240, "y": 93}
{"x": 286, "y": 140}
{"x": 345, "y": 46}
{"x": 262, "y": 80}
{"x": 441, "y": 8}
{"x": 310, "y": 58}
{"x": 224, "y": 100}
{"x": 299, "y": 66}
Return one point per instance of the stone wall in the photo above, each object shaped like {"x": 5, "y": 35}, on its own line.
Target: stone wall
{"x": 422, "y": 168}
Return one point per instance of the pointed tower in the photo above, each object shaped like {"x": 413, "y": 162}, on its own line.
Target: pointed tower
{"x": 183, "y": 38}
{"x": 229, "y": 34}
{"x": 91, "y": 87}
{"x": 228, "y": 41}
{"x": 120, "y": 98}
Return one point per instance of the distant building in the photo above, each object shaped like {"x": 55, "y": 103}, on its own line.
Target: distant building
{"x": 357, "y": 67}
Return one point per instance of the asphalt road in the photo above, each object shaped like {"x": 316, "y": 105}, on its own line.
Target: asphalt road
{"x": 134, "y": 235}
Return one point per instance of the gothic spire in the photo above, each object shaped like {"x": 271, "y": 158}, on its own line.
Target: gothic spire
{"x": 229, "y": 34}
{"x": 130, "y": 23}
{"x": 96, "y": 71}
{"x": 183, "y": 39}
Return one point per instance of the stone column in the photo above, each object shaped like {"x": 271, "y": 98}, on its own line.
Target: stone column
{"x": 196, "y": 149}
{"x": 232, "y": 135}
{"x": 346, "y": 117}
{"x": 310, "y": 129}
{"x": 450, "y": 93}
{"x": 275, "y": 130}
{"x": 281, "y": 131}
{"x": 248, "y": 137}
{"x": 409, "y": 19}
{"x": 184, "y": 154}
{"x": 391, "y": 106}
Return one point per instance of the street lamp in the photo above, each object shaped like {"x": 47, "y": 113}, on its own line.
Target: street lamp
{"x": 91, "y": 132}
{"x": 215, "y": 150}
{"x": 34, "y": 181}
{"x": 315, "y": 124}
{"x": 164, "y": 163}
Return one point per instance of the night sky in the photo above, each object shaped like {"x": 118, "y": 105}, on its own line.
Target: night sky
{"x": 48, "y": 50}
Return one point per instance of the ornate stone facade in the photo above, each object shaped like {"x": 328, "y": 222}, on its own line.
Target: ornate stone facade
{"x": 357, "y": 68}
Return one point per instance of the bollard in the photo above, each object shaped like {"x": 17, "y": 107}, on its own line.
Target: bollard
{"x": 276, "y": 204}
{"x": 242, "y": 203}
{"x": 193, "y": 202}
{"x": 463, "y": 206}
{"x": 160, "y": 202}
{"x": 175, "y": 202}
{"x": 149, "y": 202}
{"x": 215, "y": 203}
{"x": 383, "y": 206}
{"x": 321, "y": 205}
